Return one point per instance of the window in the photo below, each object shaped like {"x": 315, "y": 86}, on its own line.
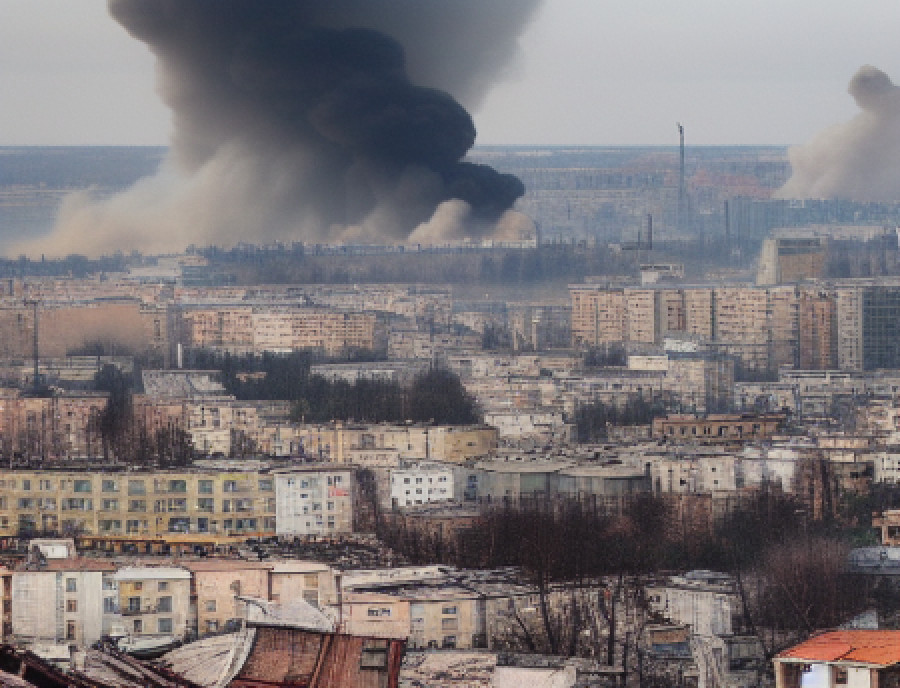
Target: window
{"x": 71, "y": 606}
{"x": 137, "y": 505}
{"x": 449, "y": 642}
{"x": 205, "y": 486}
{"x": 180, "y": 524}
{"x": 206, "y": 504}
{"x": 81, "y": 486}
{"x": 26, "y": 485}
{"x": 840, "y": 676}
{"x": 162, "y": 586}
{"x": 449, "y": 624}
{"x": 210, "y": 605}
{"x": 374, "y": 612}
{"x": 448, "y": 610}
{"x": 110, "y": 505}
{"x": 164, "y": 604}
{"x": 138, "y": 626}
{"x": 177, "y": 486}
{"x": 134, "y": 604}
{"x": 310, "y": 580}
{"x": 229, "y": 485}
{"x": 136, "y": 487}
{"x": 373, "y": 658}
{"x": 110, "y": 606}
{"x": 139, "y": 585}
{"x": 164, "y": 625}
{"x": 212, "y": 626}
{"x": 71, "y": 585}
{"x": 70, "y": 630}
{"x": 109, "y": 486}
{"x": 266, "y": 485}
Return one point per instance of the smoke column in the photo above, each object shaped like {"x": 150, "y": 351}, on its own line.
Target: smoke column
{"x": 858, "y": 160}
{"x": 316, "y": 120}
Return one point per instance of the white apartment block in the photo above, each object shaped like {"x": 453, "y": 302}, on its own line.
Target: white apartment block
{"x": 887, "y": 466}
{"x": 314, "y": 500}
{"x": 64, "y": 604}
{"x": 421, "y": 484}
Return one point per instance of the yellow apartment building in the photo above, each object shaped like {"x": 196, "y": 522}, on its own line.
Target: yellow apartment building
{"x": 138, "y": 506}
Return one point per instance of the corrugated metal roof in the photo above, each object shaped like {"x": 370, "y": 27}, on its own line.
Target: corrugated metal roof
{"x": 867, "y": 647}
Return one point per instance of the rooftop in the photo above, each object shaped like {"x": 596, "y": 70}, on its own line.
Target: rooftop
{"x": 880, "y": 648}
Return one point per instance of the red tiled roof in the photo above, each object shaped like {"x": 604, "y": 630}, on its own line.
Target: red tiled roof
{"x": 868, "y": 647}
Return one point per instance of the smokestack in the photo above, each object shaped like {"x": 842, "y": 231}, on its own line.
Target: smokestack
{"x": 649, "y": 232}
{"x": 679, "y": 218}
{"x": 321, "y": 121}
{"x": 727, "y": 225}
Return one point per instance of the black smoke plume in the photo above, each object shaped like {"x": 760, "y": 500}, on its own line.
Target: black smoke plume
{"x": 321, "y": 120}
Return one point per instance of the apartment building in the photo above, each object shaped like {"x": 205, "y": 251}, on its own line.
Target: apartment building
{"x": 817, "y": 330}
{"x": 848, "y": 312}
{"x": 65, "y": 324}
{"x": 138, "y": 506}
{"x": 57, "y": 427}
{"x": 64, "y": 601}
{"x": 154, "y": 600}
{"x": 758, "y": 326}
{"x": 641, "y": 319}
{"x": 242, "y": 329}
{"x": 314, "y": 500}
{"x": 741, "y": 325}
{"x": 216, "y": 588}
{"x": 310, "y": 581}
{"x": 374, "y": 614}
{"x": 421, "y": 483}
{"x": 598, "y": 315}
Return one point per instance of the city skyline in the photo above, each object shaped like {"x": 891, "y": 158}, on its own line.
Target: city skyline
{"x": 588, "y": 74}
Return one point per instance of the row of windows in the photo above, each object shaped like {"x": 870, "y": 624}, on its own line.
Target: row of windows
{"x": 137, "y": 487}
{"x": 205, "y": 504}
{"x": 141, "y": 527}
{"x": 313, "y": 482}
{"x": 419, "y": 481}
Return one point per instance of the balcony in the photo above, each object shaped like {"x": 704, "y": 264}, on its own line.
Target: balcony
{"x": 134, "y": 611}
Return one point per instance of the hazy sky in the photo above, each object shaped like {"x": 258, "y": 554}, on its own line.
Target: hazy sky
{"x": 592, "y": 72}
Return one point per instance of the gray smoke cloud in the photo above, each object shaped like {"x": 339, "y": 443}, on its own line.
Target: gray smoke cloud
{"x": 317, "y": 120}
{"x": 857, "y": 160}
